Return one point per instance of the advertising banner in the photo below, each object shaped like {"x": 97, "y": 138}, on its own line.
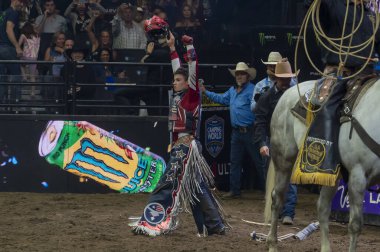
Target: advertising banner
{"x": 371, "y": 202}
{"x": 88, "y": 151}
{"x": 86, "y": 155}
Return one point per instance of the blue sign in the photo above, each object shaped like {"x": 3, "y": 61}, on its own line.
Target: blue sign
{"x": 214, "y": 135}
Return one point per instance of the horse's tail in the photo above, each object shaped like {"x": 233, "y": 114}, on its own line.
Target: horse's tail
{"x": 268, "y": 195}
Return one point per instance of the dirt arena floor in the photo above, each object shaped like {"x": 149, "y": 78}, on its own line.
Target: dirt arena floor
{"x": 98, "y": 222}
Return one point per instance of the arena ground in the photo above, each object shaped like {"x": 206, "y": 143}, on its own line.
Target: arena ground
{"x": 98, "y": 222}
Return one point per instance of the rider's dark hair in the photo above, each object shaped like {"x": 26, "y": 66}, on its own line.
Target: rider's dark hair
{"x": 182, "y": 71}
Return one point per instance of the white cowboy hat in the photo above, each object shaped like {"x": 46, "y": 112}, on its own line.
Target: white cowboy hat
{"x": 284, "y": 70}
{"x": 273, "y": 58}
{"x": 243, "y": 67}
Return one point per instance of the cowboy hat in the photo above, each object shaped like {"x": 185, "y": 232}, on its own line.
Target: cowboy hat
{"x": 284, "y": 70}
{"x": 273, "y": 58}
{"x": 243, "y": 67}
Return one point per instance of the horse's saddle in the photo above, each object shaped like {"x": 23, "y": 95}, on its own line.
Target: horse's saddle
{"x": 319, "y": 94}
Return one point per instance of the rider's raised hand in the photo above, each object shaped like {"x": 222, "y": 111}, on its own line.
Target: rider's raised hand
{"x": 187, "y": 40}
{"x": 171, "y": 41}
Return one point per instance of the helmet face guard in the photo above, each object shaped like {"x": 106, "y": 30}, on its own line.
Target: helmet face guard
{"x": 156, "y": 28}
{"x": 158, "y": 34}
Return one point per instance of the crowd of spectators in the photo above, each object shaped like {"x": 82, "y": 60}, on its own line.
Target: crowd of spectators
{"x": 118, "y": 23}
{"x": 49, "y": 30}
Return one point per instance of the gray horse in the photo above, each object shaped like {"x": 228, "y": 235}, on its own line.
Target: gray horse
{"x": 362, "y": 164}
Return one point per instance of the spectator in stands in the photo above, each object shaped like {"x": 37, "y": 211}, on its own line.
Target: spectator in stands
{"x": 84, "y": 74}
{"x": 207, "y": 10}
{"x": 47, "y": 25}
{"x": 79, "y": 14}
{"x": 146, "y": 5}
{"x": 111, "y": 7}
{"x": 24, "y": 13}
{"x": 30, "y": 43}
{"x": 187, "y": 20}
{"x": 98, "y": 44}
{"x": 69, "y": 43}
{"x": 139, "y": 17}
{"x": 34, "y": 10}
{"x": 127, "y": 33}
{"x": 170, "y": 8}
{"x": 55, "y": 53}
{"x": 194, "y": 6}
{"x": 105, "y": 74}
{"x": 160, "y": 12}
{"x": 50, "y": 22}
{"x": 238, "y": 98}
{"x": 9, "y": 46}
{"x": 187, "y": 24}
{"x": 106, "y": 70}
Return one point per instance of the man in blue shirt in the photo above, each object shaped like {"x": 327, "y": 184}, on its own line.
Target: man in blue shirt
{"x": 262, "y": 86}
{"x": 239, "y": 97}
{"x": 9, "y": 47}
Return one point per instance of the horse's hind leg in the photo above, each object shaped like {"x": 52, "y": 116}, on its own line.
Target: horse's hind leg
{"x": 356, "y": 187}
{"x": 282, "y": 179}
{"x": 324, "y": 209}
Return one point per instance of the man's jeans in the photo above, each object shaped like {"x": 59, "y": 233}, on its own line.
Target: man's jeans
{"x": 290, "y": 202}
{"x": 9, "y": 53}
{"x": 241, "y": 141}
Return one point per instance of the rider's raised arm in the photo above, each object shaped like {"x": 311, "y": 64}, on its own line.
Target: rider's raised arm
{"x": 192, "y": 62}
{"x": 176, "y": 63}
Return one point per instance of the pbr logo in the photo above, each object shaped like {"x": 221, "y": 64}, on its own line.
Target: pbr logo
{"x": 154, "y": 213}
{"x": 214, "y": 138}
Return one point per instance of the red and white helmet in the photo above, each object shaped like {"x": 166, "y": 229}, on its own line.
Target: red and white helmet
{"x": 156, "y": 27}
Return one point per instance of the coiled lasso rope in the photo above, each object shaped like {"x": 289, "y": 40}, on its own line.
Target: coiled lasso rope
{"x": 335, "y": 45}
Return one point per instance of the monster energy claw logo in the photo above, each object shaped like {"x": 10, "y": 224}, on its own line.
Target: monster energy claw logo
{"x": 264, "y": 38}
{"x": 289, "y": 36}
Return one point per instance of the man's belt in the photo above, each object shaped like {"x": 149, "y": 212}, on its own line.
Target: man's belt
{"x": 242, "y": 129}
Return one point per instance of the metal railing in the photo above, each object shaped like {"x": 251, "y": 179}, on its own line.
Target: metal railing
{"x": 57, "y": 94}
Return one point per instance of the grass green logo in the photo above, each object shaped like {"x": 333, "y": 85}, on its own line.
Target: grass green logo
{"x": 262, "y": 38}
{"x": 290, "y": 38}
